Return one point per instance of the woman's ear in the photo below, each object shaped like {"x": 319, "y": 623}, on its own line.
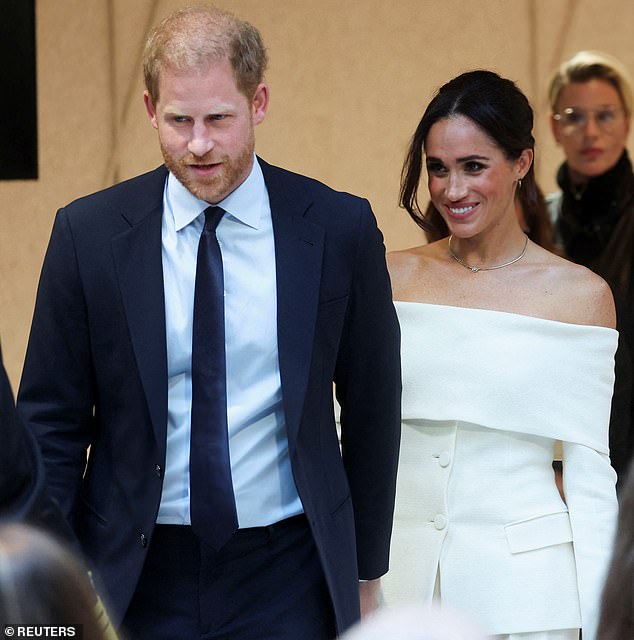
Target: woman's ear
{"x": 524, "y": 163}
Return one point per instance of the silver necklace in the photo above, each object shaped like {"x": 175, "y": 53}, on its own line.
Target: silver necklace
{"x": 475, "y": 269}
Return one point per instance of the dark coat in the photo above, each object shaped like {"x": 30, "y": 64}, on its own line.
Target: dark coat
{"x": 595, "y": 228}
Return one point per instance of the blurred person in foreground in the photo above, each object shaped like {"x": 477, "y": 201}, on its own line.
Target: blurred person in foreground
{"x": 188, "y": 328}
{"x": 42, "y": 583}
{"x": 617, "y": 610}
{"x": 506, "y": 349}
{"x": 593, "y": 214}
{"x": 32, "y": 524}
{"x": 411, "y": 622}
{"x": 24, "y": 494}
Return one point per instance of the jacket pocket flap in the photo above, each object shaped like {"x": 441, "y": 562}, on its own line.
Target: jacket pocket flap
{"x": 538, "y": 532}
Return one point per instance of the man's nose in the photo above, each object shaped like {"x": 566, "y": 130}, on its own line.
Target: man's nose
{"x": 201, "y": 141}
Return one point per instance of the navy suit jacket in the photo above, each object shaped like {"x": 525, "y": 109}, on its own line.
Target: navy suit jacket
{"x": 96, "y": 375}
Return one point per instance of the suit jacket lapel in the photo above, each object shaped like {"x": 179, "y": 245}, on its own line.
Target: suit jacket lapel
{"x": 299, "y": 246}
{"x": 138, "y": 259}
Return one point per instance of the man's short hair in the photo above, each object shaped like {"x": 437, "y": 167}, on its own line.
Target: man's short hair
{"x": 192, "y": 38}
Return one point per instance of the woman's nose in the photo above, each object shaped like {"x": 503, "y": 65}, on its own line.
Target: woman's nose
{"x": 456, "y": 187}
{"x": 591, "y": 126}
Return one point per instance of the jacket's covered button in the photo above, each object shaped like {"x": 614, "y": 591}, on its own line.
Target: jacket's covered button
{"x": 444, "y": 459}
{"x": 143, "y": 540}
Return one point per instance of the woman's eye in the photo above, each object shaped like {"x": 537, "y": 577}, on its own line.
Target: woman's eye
{"x": 473, "y": 167}
{"x": 574, "y": 117}
{"x": 606, "y": 116}
{"x": 436, "y": 168}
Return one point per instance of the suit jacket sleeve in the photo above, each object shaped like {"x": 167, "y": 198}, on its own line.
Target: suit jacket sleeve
{"x": 56, "y": 396}
{"x": 368, "y": 388}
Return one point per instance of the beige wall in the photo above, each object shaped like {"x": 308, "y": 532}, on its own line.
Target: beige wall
{"x": 348, "y": 82}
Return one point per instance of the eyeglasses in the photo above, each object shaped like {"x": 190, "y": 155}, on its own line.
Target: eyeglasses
{"x": 574, "y": 120}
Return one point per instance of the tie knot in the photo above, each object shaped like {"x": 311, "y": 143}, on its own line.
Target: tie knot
{"x": 213, "y": 216}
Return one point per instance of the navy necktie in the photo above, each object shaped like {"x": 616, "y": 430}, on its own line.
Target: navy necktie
{"x": 212, "y": 502}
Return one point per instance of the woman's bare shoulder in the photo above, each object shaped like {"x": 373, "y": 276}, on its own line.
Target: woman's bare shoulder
{"x": 409, "y": 268}
{"x": 413, "y": 256}
{"x": 582, "y": 296}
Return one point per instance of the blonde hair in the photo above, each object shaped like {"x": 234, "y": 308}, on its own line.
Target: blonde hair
{"x": 193, "y": 37}
{"x": 589, "y": 65}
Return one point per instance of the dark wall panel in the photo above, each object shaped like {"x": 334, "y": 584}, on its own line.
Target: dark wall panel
{"x": 18, "y": 94}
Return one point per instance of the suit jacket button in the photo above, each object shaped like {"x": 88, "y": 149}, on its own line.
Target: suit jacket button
{"x": 158, "y": 471}
{"x": 143, "y": 540}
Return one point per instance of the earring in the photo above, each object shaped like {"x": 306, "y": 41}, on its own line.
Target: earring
{"x": 519, "y": 183}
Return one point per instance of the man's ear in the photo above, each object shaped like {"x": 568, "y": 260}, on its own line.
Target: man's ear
{"x": 260, "y": 103}
{"x": 150, "y": 108}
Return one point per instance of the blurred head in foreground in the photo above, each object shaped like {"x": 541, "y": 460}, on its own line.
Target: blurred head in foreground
{"x": 414, "y": 623}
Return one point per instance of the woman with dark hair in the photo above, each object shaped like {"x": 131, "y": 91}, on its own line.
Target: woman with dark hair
{"x": 507, "y": 349}
{"x": 591, "y": 100}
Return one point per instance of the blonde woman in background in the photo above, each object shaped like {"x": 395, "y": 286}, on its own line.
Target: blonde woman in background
{"x": 593, "y": 213}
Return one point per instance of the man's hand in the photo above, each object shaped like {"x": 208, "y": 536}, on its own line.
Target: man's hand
{"x": 369, "y": 596}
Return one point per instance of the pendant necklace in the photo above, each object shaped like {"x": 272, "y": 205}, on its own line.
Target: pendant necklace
{"x": 475, "y": 269}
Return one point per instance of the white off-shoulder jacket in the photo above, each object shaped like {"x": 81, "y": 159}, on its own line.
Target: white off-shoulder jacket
{"x": 486, "y": 395}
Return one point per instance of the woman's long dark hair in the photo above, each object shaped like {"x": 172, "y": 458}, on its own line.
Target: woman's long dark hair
{"x": 504, "y": 114}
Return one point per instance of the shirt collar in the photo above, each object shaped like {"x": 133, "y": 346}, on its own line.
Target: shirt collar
{"x": 247, "y": 203}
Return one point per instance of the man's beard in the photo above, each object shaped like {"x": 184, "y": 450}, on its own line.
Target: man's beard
{"x": 215, "y": 188}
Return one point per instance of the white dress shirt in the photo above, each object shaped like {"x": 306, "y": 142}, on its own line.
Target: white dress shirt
{"x": 262, "y": 478}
